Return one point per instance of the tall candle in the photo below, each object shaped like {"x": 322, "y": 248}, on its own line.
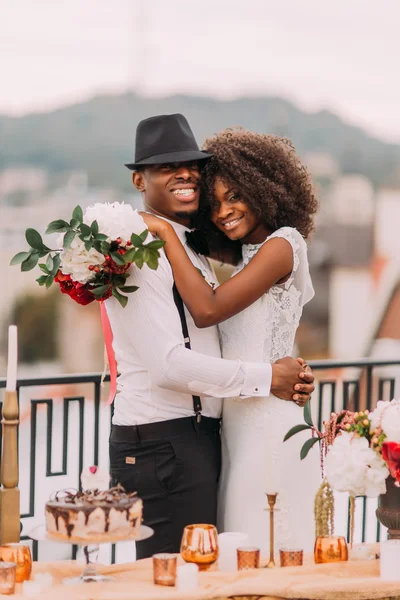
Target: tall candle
{"x": 12, "y": 358}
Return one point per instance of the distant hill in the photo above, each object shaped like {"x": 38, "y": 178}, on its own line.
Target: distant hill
{"x": 98, "y": 135}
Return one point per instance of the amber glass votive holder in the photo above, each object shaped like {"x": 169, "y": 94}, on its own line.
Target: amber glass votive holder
{"x": 291, "y": 557}
{"x": 248, "y": 557}
{"x": 330, "y": 548}
{"x": 164, "y": 569}
{"x": 21, "y": 556}
{"x": 7, "y": 578}
{"x": 200, "y": 545}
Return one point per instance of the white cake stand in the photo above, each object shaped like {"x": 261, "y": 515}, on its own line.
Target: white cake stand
{"x": 90, "y": 548}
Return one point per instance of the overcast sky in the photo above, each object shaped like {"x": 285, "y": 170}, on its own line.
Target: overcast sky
{"x": 342, "y": 55}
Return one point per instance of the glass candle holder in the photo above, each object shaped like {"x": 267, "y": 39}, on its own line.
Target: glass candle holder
{"x": 330, "y": 548}
{"x": 164, "y": 568}
{"x": 7, "y": 578}
{"x": 248, "y": 557}
{"x": 200, "y": 545}
{"x": 291, "y": 557}
{"x": 21, "y": 556}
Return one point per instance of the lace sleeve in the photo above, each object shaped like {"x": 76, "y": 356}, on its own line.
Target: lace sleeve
{"x": 300, "y": 276}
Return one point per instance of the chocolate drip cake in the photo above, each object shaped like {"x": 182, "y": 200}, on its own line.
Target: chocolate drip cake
{"x": 94, "y": 515}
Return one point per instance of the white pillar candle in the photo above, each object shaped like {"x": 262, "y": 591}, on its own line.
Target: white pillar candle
{"x": 187, "y": 577}
{"x": 390, "y": 560}
{"x": 45, "y": 580}
{"x": 11, "y": 385}
{"x": 31, "y": 588}
{"x": 228, "y": 543}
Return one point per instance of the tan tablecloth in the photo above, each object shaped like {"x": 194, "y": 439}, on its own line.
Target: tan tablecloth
{"x": 345, "y": 581}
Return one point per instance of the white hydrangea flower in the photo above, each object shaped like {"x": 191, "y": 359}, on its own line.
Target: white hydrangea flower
{"x": 376, "y": 415}
{"x": 352, "y": 466}
{"x": 115, "y": 220}
{"x": 387, "y": 416}
{"x": 76, "y": 260}
{"x": 391, "y": 421}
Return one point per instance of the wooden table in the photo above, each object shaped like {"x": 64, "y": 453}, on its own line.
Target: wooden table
{"x": 350, "y": 580}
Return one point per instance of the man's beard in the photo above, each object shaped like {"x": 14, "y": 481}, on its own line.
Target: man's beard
{"x": 191, "y": 215}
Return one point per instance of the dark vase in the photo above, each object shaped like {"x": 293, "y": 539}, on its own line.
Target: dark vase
{"x": 388, "y": 511}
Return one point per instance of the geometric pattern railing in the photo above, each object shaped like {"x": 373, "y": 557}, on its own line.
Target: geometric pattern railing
{"x": 339, "y": 384}
{"x": 59, "y": 429}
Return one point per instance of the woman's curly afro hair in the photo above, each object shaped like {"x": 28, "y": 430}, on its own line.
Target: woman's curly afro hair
{"x": 268, "y": 175}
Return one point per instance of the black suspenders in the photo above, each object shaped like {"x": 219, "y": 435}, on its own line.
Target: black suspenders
{"x": 185, "y": 332}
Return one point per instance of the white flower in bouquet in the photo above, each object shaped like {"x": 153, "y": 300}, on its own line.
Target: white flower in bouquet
{"x": 116, "y": 220}
{"x": 352, "y": 466}
{"x": 388, "y": 417}
{"x": 76, "y": 260}
{"x": 376, "y": 415}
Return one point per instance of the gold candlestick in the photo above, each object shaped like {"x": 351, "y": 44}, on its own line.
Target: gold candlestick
{"x": 271, "y": 508}
{"x": 9, "y": 492}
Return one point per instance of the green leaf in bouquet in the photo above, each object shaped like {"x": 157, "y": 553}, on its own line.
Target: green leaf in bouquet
{"x": 307, "y": 447}
{"x": 129, "y": 254}
{"x": 136, "y": 240}
{"x": 95, "y": 227}
{"x": 152, "y": 261}
{"x": 155, "y": 244}
{"x": 123, "y": 300}
{"x": 19, "y": 258}
{"x": 104, "y": 247}
{"x": 34, "y": 239}
{"x": 100, "y": 290}
{"x": 88, "y": 245}
{"x": 146, "y": 255}
{"x": 49, "y": 281}
{"x": 77, "y": 214}
{"x": 42, "y": 279}
{"x": 101, "y": 237}
{"x": 117, "y": 258}
{"x": 59, "y": 225}
{"x": 85, "y": 229}
{"x": 56, "y": 264}
{"x": 129, "y": 289}
{"x": 43, "y": 268}
{"x": 68, "y": 239}
{"x": 295, "y": 430}
{"x": 49, "y": 262}
{"x": 138, "y": 258}
{"x": 31, "y": 262}
{"x": 119, "y": 280}
{"x": 144, "y": 234}
{"x": 74, "y": 224}
{"x": 307, "y": 414}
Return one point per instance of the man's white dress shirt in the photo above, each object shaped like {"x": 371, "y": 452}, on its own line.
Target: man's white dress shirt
{"x": 158, "y": 375}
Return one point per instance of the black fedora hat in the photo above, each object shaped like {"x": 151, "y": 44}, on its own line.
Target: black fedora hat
{"x": 165, "y": 139}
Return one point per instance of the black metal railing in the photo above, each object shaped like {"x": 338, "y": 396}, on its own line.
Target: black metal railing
{"x": 339, "y": 384}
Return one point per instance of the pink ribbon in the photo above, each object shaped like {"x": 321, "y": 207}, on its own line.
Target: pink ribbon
{"x": 108, "y": 338}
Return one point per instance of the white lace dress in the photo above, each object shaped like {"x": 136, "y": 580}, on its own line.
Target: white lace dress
{"x": 255, "y": 459}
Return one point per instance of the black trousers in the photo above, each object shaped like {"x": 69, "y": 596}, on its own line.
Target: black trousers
{"x": 174, "y": 466}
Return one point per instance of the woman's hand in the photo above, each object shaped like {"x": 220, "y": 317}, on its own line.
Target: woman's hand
{"x": 157, "y": 227}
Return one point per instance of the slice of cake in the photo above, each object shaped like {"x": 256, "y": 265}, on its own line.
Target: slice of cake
{"x": 95, "y": 515}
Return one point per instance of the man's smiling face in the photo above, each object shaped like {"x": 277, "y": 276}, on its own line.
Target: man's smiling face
{"x": 171, "y": 190}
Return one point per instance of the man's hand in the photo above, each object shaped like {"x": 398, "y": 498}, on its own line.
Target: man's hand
{"x": 292, "y": 380}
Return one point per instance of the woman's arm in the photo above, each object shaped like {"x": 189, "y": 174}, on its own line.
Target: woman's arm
{"x": 272, "y": 263}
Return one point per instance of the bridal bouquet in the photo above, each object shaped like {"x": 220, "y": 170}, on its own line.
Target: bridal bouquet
{"x": 96, "y": 250}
